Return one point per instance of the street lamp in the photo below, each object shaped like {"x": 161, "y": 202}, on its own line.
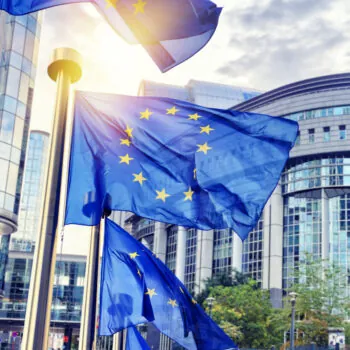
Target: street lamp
{"x": 210, "y": 301}
{"x": 293, "y": 298}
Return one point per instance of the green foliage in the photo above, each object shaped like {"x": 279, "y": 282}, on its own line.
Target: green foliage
{"x": 244, "y": 312}
{"x": 228, "y": 279}
{"x": 321, "y": 300}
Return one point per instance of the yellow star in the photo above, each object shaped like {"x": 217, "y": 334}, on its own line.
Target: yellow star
{"x": 125, "y": 142}
{"x": 151, "y": 292}
{"x": 128, "y": 131}
{"x": 172, "y": 302}
{"x": 139, "y": 6}
{"x": 111, "y": 3}
{"x": 194, "y": 116}
{"x": 203, "y": 148}
{"x": 194, "y": 301}
{"x": 162, "y": 195}
{"x": 194, "y": 173}
{"x": 139, "y": 273}
{"x": 188, "y": 194}
{"x": 139, "y": 178}
{"x": 172, "y": 110}
{"x": 125, "y": 159}
{"x": 133, "y": 255}
{"x": 182, "y": 291}
{"x": 146, "y": 114}
{"x": 206, "y": 129}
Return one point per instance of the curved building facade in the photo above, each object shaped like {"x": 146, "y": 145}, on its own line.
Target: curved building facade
{"x": 309, "y": 211}
{"x": 19, "y": 44}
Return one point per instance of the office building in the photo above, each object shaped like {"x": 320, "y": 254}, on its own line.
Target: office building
{"x": 309, "y": 212}
{"x": 70, "y": 269}
{"x": 18, "y": 57}
{"x": 32, "y": 193}
{"x": 200, "y": 92}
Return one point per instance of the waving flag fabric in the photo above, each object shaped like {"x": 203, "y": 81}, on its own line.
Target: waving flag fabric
{"x": 132, "y": 278}
{"x": 171, "y": 31}
{"x": 134, "y": 340}
{"x": 173, "y": 161}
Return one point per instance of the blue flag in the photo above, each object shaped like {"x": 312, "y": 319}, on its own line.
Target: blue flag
{"x": 128, "y": 268}
{"x": 173, "y": 161}
{"x": 135, "y": 341}
{"x": 171, "y": 31}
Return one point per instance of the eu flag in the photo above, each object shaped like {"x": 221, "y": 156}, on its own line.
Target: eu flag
{"x": 173, "y": 161}
{"x": 171, "y": 31}
{"x": 128, "y": 267}
{"x": 134, "y": 340}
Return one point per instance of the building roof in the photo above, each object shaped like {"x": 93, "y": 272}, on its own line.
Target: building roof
{"x": 307, "y": 86}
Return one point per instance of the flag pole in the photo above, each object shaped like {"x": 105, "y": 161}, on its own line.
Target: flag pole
{"x": 65, "y": 69}
{"x": 88, "y": 315}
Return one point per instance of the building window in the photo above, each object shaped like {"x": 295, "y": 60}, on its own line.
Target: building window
{"x": 297, "y": 140}
{"x": 311, "y": 135}
{"x": 170, "y": 259}
{"x": 326, "y": 134}
{"x": 222, "y": 251}
{"x": 302, "y": 234}
{"x": 252, "y": 258}
{"x": 342, "y": 132}
{"x": 190, "y": 261}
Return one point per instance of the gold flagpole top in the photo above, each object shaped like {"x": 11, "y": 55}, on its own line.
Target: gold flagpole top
{"x": 67, "y": 60}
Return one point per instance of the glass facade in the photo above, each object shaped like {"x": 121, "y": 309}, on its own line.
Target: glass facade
{"x": 170, "y": 258}
{"x": 19, "y": 51}
{"x": 319, "y": 113}
{"x": 302, "y": 233}
{"x": 222, "y": 251}
{"x": 32, "y": 193}
{"x": 67, "y": 294}
{"x": 318, "y": 172}
{"x": 190, "y": 259}
{"x": 252, "y": 258}
{"x": 143, "y": 230}
{"x": 68, "y": 291}
{"x": 339, "y": 229}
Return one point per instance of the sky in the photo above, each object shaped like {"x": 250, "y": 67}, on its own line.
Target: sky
{"x": 261, "y": 44}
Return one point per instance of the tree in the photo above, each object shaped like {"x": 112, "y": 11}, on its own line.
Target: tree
{"x": 322, "y": 300}
{"x": 244, "y": 312}
{"x": 227, "y": 279}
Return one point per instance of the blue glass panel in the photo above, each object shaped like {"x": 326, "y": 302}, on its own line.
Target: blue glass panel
{"x": 16, "y": 60}
{"x": 10, "y": 104}
{"x": 27, "y": 66}
{"x": 21, "y": 109}
{"x": 32, "y": 24}
{"x": 7, "y": 127}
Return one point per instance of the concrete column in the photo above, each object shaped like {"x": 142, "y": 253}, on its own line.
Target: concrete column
{"x": 325, "y": 225}
{"x": 237, "y": 249}
{"x": 160, "y": 240}
{"x": 273, "y": 246}
{"x": 118, "y": 217}
{"x": 181, "y": 253}
{"x": 204, "y": 259}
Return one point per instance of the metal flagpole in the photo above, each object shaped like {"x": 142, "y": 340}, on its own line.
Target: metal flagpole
{"x": 65, "y": 69}
{"x": 88, "y": 315}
